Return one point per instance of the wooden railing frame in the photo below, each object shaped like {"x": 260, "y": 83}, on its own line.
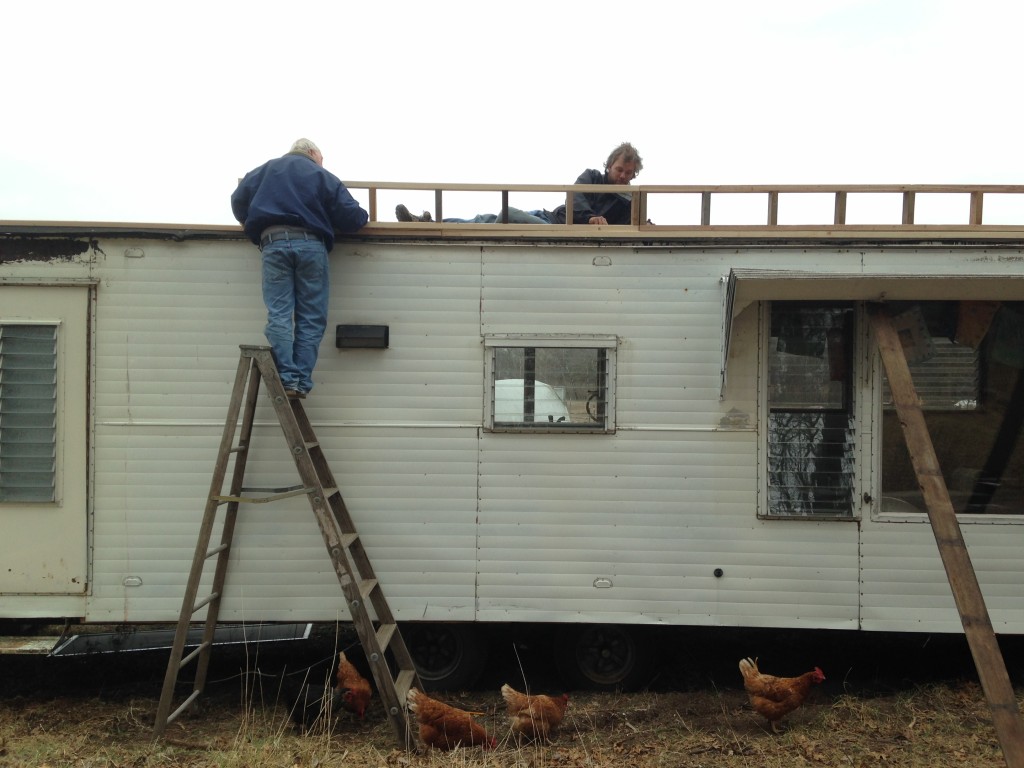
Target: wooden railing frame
{"x": 641, "y": 195}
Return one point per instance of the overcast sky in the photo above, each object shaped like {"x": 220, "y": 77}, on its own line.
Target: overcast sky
{"x": 144, "y": 112}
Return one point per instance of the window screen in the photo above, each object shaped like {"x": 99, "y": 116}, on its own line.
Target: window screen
{"x": 28, "y": 412}
{"x": 810, "y": 403}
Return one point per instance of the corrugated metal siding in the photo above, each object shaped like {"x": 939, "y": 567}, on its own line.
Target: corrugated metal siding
{"x": 167, "y": 351}
{"x": 464, "y": 524}
{"x": 905, "y": 588}
{"x": 657, "y": 507}
{"x": 654, "y": 514}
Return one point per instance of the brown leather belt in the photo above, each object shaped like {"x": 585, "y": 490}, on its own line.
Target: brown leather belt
{"x": 275, "y": 234}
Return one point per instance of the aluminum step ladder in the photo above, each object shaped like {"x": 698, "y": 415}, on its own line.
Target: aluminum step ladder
{"x": 355, "y": 573}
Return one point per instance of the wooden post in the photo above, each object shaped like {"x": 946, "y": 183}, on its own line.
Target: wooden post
{"x": 955, "y": 559}
{"x": 705, "y": 209}
{"x": 773, "y": 209}
{"x": 840, "y": 216}
{"x": 438, "y": 212}
{"x": 503, "y": 217}
{"x": 977, "y": 205}
{"x": 908, "y": 207}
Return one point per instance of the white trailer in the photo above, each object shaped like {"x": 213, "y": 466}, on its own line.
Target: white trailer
{"x": 699, "y": 431}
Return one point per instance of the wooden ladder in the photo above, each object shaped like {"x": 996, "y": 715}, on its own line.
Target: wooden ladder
{"x": 358, "y": 581}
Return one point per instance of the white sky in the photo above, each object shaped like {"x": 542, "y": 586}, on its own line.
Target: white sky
{"x": 142, "y": 112}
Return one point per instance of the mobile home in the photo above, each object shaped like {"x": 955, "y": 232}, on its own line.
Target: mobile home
{"x": 605, "y": 429}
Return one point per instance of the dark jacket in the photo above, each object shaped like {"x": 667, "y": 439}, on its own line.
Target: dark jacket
{"x": 613, "y": 206}
{"x": 295, "y": 191}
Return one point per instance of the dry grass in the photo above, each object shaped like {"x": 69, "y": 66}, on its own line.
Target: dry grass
{"x": 942, "y": 724}
{"x": 99, "y": 711}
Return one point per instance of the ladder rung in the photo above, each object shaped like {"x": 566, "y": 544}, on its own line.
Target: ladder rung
{"x": 205, "y": 601}
{"x": 348, "y": 539}
{"x": 185, "y": 661}
{"x": 384, "y": 634}
{"x": 216, "y": 551}
{"x": 328, "y": 492}
{"x": 183, "y": 707}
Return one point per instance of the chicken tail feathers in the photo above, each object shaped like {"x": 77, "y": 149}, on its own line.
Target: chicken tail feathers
{"x": 748, "y": 668}
{"x": 508, "y": 693}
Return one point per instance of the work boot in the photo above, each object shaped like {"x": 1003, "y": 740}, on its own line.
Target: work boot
{"x": 402, "y": 214}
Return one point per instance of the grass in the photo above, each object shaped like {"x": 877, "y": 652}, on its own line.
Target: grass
{"x": 943, "y": 724}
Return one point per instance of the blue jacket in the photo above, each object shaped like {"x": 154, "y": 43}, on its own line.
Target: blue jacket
{"x": 293, "y": 190}
{"x": 614, "y": 206}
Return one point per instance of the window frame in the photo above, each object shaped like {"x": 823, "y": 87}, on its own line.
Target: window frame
{"x": 495, "y": 341}
{"x": 860, "y": 452}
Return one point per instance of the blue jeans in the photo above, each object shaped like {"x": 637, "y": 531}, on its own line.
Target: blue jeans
{"x": 515, "y": 216}
{"x": 295, "y": 289}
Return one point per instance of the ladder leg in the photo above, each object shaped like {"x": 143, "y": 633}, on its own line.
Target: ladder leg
{"x": 246, "y": 374}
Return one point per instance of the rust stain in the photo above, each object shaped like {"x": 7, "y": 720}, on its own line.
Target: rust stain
{"x": 42, "y": 249}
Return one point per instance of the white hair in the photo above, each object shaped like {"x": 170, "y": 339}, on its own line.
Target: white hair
{"x": 305, "y": 145}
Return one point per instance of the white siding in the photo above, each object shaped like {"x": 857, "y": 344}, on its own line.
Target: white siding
{"x": 464, "y": 524}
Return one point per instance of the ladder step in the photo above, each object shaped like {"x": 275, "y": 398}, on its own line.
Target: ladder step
{"x": 367, "y": 586}
{"x": 348, "y": 539}
{"x": 384, "y": 634}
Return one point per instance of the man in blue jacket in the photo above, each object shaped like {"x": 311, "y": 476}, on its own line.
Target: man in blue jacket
{"x": 622, "y": 166}
{"x": 291, "y": 208}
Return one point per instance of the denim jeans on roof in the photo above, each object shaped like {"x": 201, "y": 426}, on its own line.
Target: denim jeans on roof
{"x": 296, "y": 289}
{"x": 515, "y": 216}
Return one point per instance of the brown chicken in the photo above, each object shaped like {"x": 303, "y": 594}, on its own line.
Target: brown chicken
{"x": 445, "y": 727}
{"x": 775, "y": 697}
{"x": 353, "y": 688}
{"x": 534, "y": 716}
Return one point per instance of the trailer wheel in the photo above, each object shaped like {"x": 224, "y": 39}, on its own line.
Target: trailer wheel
{"x": 604, "y": 657}
{"x": 447, "y": 656}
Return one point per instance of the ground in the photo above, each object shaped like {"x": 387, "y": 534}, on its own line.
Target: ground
{"x": 918, "y": 705}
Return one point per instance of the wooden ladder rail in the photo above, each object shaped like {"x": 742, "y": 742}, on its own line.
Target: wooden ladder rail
{"x": 344, "y": 545}
{"x": 970, "y": 603}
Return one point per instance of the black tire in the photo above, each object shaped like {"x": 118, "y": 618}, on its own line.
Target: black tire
{"x": 604, "y": 657}
{"x": 448, "y": 657}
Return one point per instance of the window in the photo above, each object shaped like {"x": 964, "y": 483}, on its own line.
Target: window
{"x": 550, "y": 383}
{"x": 811, "y": 459}
{"x": 945, "y": 373}
{"x": 967, "y": 366}
{"x": 28, "y": 412}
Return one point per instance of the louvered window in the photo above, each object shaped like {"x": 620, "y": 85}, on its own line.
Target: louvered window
{"x": 550, "y": 384}
{"x": 28, "y": 412}
{"x": 945, "y": 380}
{"x": 810, "y": 403}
